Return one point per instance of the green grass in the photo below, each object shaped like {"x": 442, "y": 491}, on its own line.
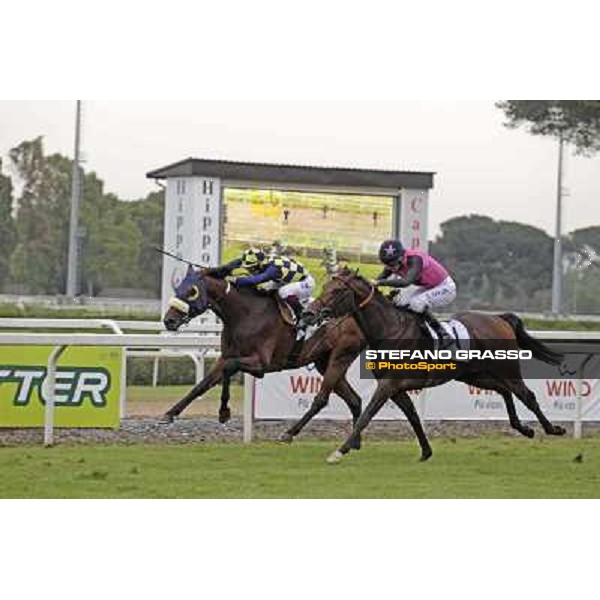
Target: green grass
{"x": 467, "y": 468}
{"x": 40, "y": 311}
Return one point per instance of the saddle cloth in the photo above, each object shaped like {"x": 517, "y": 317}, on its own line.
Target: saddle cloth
{"x": 456, "y": 330}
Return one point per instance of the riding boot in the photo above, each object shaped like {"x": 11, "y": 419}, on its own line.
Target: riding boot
{"x": 296, "y": 306}
{"x": 445, "y": 340}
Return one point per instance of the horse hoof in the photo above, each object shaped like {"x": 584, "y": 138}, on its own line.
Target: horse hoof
{"x": 334, "y": 458}
{"x": 285, "y": 438}
{"x": 166, "y": 419}
{"x": 558, "y": 430}
{"x": 528, "y": 431}
{"x": 356, "y": 445}
{"x": 224, "y": 415}
{"x": 426, "y": 456}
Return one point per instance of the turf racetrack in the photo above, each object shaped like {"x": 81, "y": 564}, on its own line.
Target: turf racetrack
{"x": 466, "y": 468}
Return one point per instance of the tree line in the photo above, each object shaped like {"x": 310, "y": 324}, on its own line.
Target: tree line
{"x": 504, "y": 265}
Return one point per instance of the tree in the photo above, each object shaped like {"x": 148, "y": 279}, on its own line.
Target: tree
{"x": 112, "y": 249}
{"x": 576, "y": 121}
{"x": 42, "y": 220}
{"x": 148, "y": 215}
{"x": 111, "y": 244}
{"x": 587, "y": 236}
{"x": 7, "y": 225}
{"x": 496, "y": 264}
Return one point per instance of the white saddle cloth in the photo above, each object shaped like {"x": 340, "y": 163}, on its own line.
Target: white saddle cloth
{"x": 456, "y": 330}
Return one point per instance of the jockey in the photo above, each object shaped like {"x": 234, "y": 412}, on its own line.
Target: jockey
{"x": 415, "y": 267}
{"x": 289, "y": 277}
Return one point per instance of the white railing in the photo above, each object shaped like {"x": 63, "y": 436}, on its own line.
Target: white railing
{"x": 194, "y": 341}
{"x": 117, "y": 326}
{"x": 197, "y": 352}
{"x": 60, "y": 341}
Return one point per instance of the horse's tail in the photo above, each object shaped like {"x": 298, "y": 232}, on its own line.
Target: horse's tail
{"x": 525, "y": 341}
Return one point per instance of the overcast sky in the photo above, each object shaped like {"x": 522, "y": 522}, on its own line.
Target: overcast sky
{"x": 481, "y": 166}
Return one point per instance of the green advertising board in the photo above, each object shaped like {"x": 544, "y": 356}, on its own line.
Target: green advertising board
{"x": 88, "y": 386}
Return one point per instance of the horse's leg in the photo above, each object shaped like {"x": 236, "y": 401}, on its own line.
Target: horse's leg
{"x": 404, "y": 402}
{"x": 513, "y": 418}
{"x": 224, "y": 410}
{"x": 523, "y": 393}
{"x": 223, "y": 370}
{"x": 382, "y": 393}
{"x": 497, "y": 386}
{"x": 353, "y": 401}
{"x": 318, "y": 404}
{"x": 214, "y": 376}
{"x": 333, "y": 378}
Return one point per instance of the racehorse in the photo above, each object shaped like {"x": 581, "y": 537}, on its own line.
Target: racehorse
{"x": 257, "y": 339}
{"x": 380, "y": 321}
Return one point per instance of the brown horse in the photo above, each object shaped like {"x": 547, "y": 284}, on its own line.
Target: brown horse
{"x": 382, "y": 322}
{"x": 256, "y": 339}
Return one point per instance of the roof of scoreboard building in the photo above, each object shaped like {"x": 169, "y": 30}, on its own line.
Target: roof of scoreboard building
{"x": 295, "y": 174}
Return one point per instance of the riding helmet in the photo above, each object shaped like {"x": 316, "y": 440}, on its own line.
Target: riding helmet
{"x": 390, "y": 251}
{"x": 253, "y": 257}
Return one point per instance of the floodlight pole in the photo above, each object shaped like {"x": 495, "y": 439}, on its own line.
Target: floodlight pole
{"x": 557, "y": 271}
{"x": 72, "y": 270}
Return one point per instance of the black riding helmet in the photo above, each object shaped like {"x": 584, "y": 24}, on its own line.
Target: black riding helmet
{"x": 390, "y": 252}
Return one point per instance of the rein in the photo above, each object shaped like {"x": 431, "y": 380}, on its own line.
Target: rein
{"x": 353, "y": 314}
{"x": 364, "y": 302}
{"x": 367, "y": 299}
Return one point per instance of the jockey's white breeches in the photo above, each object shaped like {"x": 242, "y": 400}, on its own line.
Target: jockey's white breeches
{"x": 301, "y": 289}
{"x": 421, "y": 299}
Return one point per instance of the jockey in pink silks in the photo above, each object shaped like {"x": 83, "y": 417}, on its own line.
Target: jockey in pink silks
{"x": 405, "y": 267}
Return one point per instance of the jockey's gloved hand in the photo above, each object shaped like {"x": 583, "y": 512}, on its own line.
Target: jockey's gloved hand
{"x": 231, "y": 279}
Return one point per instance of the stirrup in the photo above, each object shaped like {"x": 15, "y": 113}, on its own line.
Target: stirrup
{"x": 445, "y": 340}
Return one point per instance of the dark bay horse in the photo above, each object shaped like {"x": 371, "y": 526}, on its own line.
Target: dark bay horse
{"x": 256, "y": 339}
{"x": 347, "y": 293}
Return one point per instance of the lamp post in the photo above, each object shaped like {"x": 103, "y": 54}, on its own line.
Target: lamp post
{"x": 72, "y": 270}
{"x": 557, "y": 274}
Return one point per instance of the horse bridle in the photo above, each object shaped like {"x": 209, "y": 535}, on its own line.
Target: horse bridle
{"x": 184, "y": 307}
{"x": 355, "y": 295}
